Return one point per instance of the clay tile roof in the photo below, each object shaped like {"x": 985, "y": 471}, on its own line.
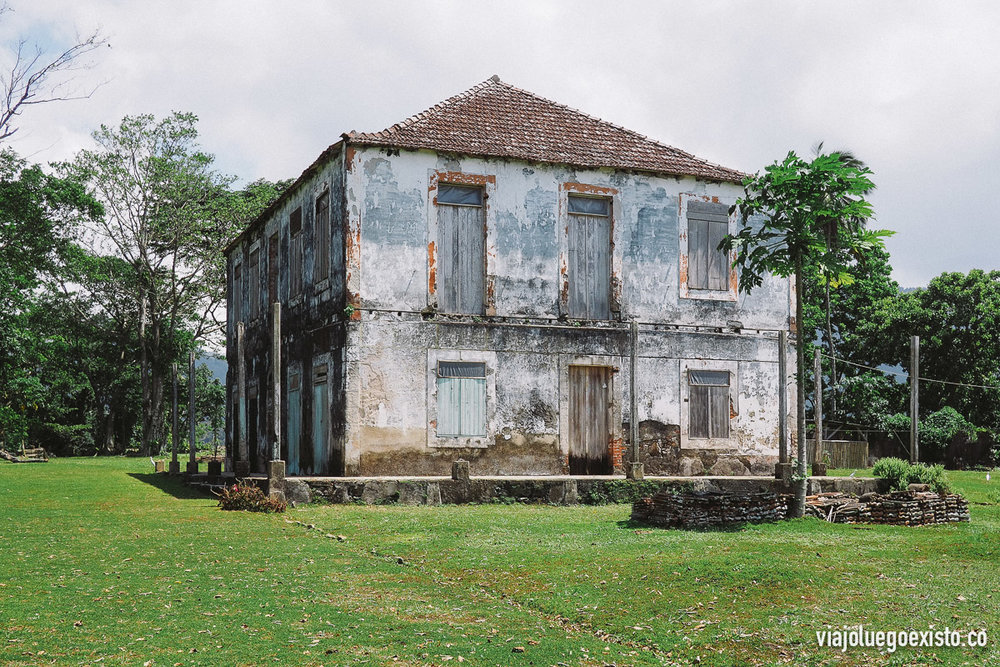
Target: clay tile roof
{"x": 496, "y": 119}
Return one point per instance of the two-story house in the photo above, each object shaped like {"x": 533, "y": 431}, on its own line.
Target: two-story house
{"x": 509, "y": 281}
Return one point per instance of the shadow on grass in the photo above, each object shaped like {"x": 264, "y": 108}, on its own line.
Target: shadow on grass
{"x": 632, "y": 524}
{"x": 170, "y": 485}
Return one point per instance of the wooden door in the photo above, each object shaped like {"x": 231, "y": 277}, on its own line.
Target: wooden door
{"x": 589, "y": 433}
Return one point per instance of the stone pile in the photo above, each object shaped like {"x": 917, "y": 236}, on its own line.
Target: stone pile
{"x": 705, "y": 509}
{"x": 900, "y": 508}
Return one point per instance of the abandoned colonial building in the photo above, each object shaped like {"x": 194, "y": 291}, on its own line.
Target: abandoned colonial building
{"x": 505, "y": 280}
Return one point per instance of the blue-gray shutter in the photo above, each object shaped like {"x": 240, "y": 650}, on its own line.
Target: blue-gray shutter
{"x": 461, "y": 399}
{"x": 320, "y": 421}
{"x": 461, "y": 259}
{"x": 294, "y": 430}
{"x": 589, "y": 269}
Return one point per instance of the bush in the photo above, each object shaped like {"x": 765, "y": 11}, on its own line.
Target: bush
{"x": 244, "y": 496}
{"x": 939, "y": 428}
{"x": 899, "y": 474}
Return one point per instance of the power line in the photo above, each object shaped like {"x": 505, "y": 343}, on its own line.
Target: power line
{"x": 907, "y": 375}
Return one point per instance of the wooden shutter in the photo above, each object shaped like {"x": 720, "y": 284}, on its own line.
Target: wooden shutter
{"x": 321, "y": 266}
{"x": 709, "y": 404}
{"x": 237, "y": 295}
{"x": 321, "y": 420}
{"x": 461, "y": 250}
{"x": 293, "y": 430}
{"x": 272, "y": 269}
{"x": 708, "y": 267}
{"x": 295, "y": 261}
{"x": 253, "y": 275}
{"x": 589, "y": 270}
{"x": 461, "y": 399}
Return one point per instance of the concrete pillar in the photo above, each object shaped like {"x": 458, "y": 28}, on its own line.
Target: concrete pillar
{"x": 276, "y": 480}
{"x": 175, "y": 466}
{"x": 158, "y": 466}
{"x": 635, "y": 470}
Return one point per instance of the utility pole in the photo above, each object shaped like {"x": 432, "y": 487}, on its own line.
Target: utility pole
{"x": 192, "y": 466}
{"x": 914, "y": 399}
{"x": 175, "y": 466}
{"x": 818, "y": 408}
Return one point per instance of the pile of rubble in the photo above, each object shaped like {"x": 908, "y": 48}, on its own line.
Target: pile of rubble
{"x": 899, "y": 508}
{"x": 705, "y": 509}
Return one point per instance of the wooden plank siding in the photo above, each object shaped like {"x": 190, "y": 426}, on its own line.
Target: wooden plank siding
{"x": 589, "y": 404}
{"x": 843, "y": 453}
{"x": 462, "y": 254}
{"x": 708, "y": 267}
{"x": 589, "y": 253}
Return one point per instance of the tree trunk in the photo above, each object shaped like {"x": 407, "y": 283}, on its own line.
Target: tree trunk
{"x": 798, "y": 509}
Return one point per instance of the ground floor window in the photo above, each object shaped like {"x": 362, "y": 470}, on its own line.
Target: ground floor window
{"x": 461, "y": 395}
{"x": 709, "y": 401}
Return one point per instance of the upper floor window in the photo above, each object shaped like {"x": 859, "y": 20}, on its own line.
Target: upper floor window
{"x": 708, "y": 267}
{"x": 589, "y": 254}
{"x": 461, "y": 247}
{"x": 295, "y": 253}
{"x": 237, "y": 296}
{"x": 253, "y": 275}
{"x": 321, "y": 265}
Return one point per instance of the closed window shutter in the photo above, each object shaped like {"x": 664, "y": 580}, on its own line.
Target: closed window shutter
{"x": 708, "y": 267}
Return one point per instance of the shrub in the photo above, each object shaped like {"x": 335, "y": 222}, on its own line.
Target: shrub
{"x": 893, "y": 471}
{"x": 244, "y": 496}
{"x": 899, "y": 474}
{"x": 939, "y": 428}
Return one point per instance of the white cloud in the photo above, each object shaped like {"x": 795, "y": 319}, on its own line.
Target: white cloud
{"x": 910, "y": 88}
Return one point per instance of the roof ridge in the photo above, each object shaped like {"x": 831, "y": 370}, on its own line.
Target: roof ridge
{"x": 598, "y": 119}
{"x": 465, "y": 94}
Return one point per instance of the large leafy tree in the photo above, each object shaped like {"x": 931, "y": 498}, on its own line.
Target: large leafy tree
{"x": 167, "y": 216}
{"x": 855, "y": 397}
{"x": 801, "y": 214}
{"x": 169, "y": 213}
{"x": 957, "y": 317}
{"x": 38, "y": 215}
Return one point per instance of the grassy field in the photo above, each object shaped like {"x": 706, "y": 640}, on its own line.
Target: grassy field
{"x": 103, "y": 562}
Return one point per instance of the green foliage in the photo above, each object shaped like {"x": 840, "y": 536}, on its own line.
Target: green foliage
{"x": 899, "y": 474}
{"x": 957, "y": 317}
{"x": 800, "y": 214}
{"x": 939, "y": 428}
{"x": 246, "y": 496}
{"x": 618, "y": 491}
{"x": 65, "y": 439}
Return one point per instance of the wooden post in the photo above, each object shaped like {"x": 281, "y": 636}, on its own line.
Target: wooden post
{"x": 914, "y": 399}
{"x": 192, "y": 466}
{"x": 782, "y": 396}
{"x": 818, "y": 408}
{"x": 175, "y": 466}
{"x": 242, "y": 466}
{"x": 636, "y": 469}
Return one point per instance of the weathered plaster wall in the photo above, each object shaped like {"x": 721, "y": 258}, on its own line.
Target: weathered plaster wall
{"x": 393, "y": 196}
{"x": 398, "y": 335}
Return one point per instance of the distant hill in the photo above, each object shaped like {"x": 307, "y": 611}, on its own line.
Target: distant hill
{"x": 215, "y": 364}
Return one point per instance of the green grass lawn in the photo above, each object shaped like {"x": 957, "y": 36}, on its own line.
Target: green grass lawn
{"x": 103, "y": 562}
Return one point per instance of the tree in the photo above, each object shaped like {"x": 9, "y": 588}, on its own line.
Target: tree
{"x": 839, "y": 315}
{"x": 34, "y": 79}
{"x": 169, "y": 214}
{"x": 957, "y": 317}
{"x": 799, "y": 214}
{"x": 38, "y": 215}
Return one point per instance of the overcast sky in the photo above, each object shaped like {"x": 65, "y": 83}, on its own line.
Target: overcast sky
{"x": 913, "y": 88}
